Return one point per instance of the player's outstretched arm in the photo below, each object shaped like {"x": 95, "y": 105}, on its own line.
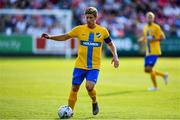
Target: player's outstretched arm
{"x": 115, "y": 59}
{"x": 56, "y": 37}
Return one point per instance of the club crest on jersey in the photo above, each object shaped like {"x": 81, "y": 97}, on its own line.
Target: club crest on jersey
{"x": 98, "y": 35}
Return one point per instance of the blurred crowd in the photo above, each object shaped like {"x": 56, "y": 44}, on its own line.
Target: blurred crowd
{"x": 121, "y": 17}
{"x": 30, "y": 24}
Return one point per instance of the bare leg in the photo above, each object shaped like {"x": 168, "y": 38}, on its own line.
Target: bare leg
{"x": 149, "y": 70}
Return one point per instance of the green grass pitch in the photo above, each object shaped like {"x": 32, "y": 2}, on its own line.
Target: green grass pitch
{"x": 34, "y": 88}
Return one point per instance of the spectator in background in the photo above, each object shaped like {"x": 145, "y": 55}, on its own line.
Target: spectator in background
{"x": 120, "y": 16}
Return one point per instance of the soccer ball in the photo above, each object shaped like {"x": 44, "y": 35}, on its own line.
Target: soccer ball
{"x": 65, "y": 112}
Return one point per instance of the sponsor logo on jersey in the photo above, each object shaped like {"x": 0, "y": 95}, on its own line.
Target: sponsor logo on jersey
{"x": 93, "y": 44}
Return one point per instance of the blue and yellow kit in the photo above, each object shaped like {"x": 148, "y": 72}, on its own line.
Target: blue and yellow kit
{"x": 153, "y": 31}
{"x": 90, "y": 42}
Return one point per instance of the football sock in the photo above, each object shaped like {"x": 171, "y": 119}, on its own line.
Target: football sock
{"x": 160, "y": 73}
{"x": 153, "y": 78}
{"x": 72, "y": 99}
{"x": 92, "y": 94}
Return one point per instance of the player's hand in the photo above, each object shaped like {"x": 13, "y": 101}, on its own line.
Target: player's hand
{"x": 150, "y": 38}
{"x": 141, "y": 39}
{"x": 115, "y": 61}
{"x": 44, "y": 35}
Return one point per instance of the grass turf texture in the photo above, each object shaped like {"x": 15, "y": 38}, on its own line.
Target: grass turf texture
{"x": 34, "y": 88}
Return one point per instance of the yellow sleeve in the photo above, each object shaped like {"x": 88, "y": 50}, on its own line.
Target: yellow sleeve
{"x": 74, "y": 32}
{"x": 159, "y": 31}
{"x": 106, "y": 33}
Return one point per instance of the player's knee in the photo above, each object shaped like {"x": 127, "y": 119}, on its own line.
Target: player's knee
{"x": 147, "y": 70}
{"x": 89, "y": 88}
{"x": 75, "y": 89}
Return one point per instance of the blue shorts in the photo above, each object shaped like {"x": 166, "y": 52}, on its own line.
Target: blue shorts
{"x": 80, "y": 74}
{"x": 150, "y": 60}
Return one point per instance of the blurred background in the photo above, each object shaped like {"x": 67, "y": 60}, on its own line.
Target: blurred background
{"x": 23, "y": 21}
{"x": 34, "y": 87}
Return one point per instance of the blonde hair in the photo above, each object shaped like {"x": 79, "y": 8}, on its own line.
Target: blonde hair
{"x": 91, "y": 10}
{"x": 150, "y": 14}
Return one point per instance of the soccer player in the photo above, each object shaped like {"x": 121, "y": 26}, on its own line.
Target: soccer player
{"x": 152, "y": 36}
{"x": 90, "y": 41}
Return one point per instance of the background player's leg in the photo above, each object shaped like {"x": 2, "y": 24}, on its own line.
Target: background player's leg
{"x": 160, "y": 73}
{"x": 153, "y": 78}
{"x": 73, "y": 96}
{"x": 163, "y": 75}
{"x": 148, "y": 69}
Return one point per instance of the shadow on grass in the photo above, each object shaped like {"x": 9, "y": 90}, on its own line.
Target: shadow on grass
{"x": 85, "y": 118}
{"x": 121, "y": 93}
